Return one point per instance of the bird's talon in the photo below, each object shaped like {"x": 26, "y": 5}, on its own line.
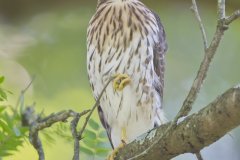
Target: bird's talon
{"x": 115, "y": 151}
{"x": 123, "y": 142}
{"x": 120, "y": 81}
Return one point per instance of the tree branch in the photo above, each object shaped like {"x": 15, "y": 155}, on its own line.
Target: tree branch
{"x": 78, "y": 136}
{"x": 233, "y": 17}
{"x": 194, "y": 8}
{"x": 40, "y": 124}
{"x": 221, "y": 9}
{"x": 199, "y": 156}
{"x": 36, "y": 123}
{"x": 94, "y": 107}
{"x": 191, "y": 135}
{"x": 223, "y": 23}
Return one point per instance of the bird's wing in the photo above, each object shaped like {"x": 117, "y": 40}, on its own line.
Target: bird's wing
{"x": 105, "y": 124}
{"x": 159, "y": 51}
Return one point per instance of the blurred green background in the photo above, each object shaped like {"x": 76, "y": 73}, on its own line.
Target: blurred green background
{"x": 47, "y": 39}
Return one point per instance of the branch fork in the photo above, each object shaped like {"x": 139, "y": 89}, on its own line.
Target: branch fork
{"x": 36, "y": 124}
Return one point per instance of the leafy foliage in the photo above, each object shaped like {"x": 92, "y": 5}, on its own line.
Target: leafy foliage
{"x": 95, "y": 142}
{"x": 3, "y": 95}
{"x": 12, "y": 133}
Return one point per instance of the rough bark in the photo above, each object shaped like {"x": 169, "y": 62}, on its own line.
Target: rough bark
{"x": 191, "y": 135}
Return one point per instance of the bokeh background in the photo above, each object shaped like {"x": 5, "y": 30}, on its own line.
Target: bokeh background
{"x": 47, "y": 39}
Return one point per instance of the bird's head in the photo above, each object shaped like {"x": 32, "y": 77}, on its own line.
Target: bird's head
{"x": 102, "y": 1}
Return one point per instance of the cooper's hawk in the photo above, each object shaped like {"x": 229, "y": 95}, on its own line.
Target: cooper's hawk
{"x": 125, "y": 39}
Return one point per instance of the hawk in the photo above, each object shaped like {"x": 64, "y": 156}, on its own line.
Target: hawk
{"x": 126, "y": 40}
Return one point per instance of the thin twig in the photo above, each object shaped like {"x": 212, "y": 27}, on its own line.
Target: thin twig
{"x": 221, "y": 9}
{"x": 194, "y": 8}
{"x": 94, "y": 107}
{"x": 28, "y": 86}
{"x": 40, "y": 124}
{"x": 78, "y": 136}
{"x": 36, "y": 142}
{"x": 199, "y": 156}
{"x": 74, "y": 124}
{"x": 23, "y": 92}
{"x": 233, "y": 17}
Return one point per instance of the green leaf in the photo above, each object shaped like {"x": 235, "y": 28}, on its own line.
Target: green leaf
{"x": 86, "y": 150}
{"x": 5, "y": 153}
{"x": 49, "y": 138}
{"x": 102, "y": 134}
{"x": 24, "y": 130}
{"x": 9, "y": 92}
{"x": 1, "y": 79}
{"x": 90, "y": 142}
{"x": 90, "y": 134}
{"x": 21, "y": 103}
{"x": 13, "y": 143}
{"x": 5, "y": 127}
{"x": 102, "y": 152}
{"x": 103, "y": 145}
{"x": 3, "y": 95}
{"x": 8, "y": 119}
{"x": 2, "y": 108}
{"x": 16, "y": 131}
{"x": 93, "y": 124}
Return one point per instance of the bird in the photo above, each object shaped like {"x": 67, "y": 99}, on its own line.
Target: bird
{"x": 127, "y": 41}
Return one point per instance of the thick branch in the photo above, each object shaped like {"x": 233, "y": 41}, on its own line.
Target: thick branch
{"x": 223, "y": 23}
{"x": 191, "y": 135}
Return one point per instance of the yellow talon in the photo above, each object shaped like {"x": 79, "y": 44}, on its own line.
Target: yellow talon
{"x": 116, "y": 150}
{"x": 120, "y": 81}
{"x": 124, "y": 135}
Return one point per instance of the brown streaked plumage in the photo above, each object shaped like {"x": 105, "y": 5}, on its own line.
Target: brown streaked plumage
{"x": 125, "y": 37}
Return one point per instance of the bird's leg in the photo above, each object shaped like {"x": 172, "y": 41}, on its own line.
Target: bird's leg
{"x": 124, "y": 136}
{"x": 120, "y": 81}
{"x": 122, "y": 144}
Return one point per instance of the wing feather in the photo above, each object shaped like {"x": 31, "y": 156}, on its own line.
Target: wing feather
{"x": 160, "y": 49}
{"x": 105, "y": 124}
